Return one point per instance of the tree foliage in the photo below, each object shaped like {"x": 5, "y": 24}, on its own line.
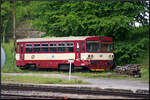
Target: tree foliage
{"x": 6, "y": 16}
{"x": 86, "y": 18}
{"x": 128, "y": 51}
{"x": 115, "y": 19}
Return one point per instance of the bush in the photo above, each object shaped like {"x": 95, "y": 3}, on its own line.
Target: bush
{"x": 10, "y": 63}
{"x": 128, "y": 52}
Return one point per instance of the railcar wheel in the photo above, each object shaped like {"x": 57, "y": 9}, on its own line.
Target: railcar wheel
{"x": 32, "y": 67}
{"x": 38, "y": 69}
{"x": 86, "y": 69}
{"x": 23, "y": 67}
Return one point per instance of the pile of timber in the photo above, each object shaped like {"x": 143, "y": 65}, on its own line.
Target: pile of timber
{"x": 129, "y": 69}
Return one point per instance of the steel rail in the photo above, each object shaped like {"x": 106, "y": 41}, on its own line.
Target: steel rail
{"x": 75, "y": 90}
{"x": 13, "y": 96}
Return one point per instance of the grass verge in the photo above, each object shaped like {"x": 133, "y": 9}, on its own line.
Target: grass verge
{"x": 110, "y": 75}
{"x": 10, "y": 63}
{"x": 98, "y": 75}
{"x": 39, "y": 80}
{"x": 145, "y": 68}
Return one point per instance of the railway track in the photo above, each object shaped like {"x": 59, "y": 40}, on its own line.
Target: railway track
{"x": 60, "y": 92}
{"x": 15, "y": 96}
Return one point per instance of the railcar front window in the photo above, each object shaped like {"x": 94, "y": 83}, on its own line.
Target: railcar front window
{"x": 92, "y": 46}
{"x": 107, "y": 47}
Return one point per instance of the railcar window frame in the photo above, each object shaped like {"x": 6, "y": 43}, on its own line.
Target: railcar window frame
{"x": 36, "y": 47}
{"x": 52, "y": 48}
{"x": 29, "y": 48}
{"x": 69, "y": 47}
{"x": 44, "y": 48}
{"x": 61, "y": 48}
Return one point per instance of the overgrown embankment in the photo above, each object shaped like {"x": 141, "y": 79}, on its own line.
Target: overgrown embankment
{"x": 39, "y": 80}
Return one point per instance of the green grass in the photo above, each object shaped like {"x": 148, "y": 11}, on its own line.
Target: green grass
{"x": 145, "y": 68}
{"x": 39, "y": 80}
{"x": 98, "y": 75}
{"x": 144, "y": 62}
{"x": 10, "y": 63}
{"x": 145, "y": 75}
{"x": 110, "y": 75}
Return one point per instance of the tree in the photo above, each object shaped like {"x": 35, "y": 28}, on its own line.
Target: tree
{"x": 87, "y": 18}
{"x": 6, "y": 15}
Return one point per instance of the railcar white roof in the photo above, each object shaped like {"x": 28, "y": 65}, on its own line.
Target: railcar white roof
{"x": 70, "y": 38}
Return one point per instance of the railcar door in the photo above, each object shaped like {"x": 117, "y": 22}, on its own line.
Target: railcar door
{"x": 77, "y": 54}
{"x": 21, "y": 52}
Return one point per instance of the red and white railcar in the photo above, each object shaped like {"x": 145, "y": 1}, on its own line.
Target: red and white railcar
{"x": 92, "y": 52}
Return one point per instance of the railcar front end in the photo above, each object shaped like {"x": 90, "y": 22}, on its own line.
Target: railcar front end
{"x": 98, "y": 53}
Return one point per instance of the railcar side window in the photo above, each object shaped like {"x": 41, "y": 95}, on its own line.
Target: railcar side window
{"x": 36, "y": 47}
{"x": 29, "y": 48}
{"x": 52, "y": 47}
{"x": 61, "y": 47}
{"x": 69, "y": 47}
{"x": 44, "y": 47}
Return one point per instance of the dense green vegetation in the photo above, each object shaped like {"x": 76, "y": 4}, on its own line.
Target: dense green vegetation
{"x": 128, "y": 51}
{"x": 10, "y": 60}
{"x": 7, "y": 19}
{"x": 115, "y": 19}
